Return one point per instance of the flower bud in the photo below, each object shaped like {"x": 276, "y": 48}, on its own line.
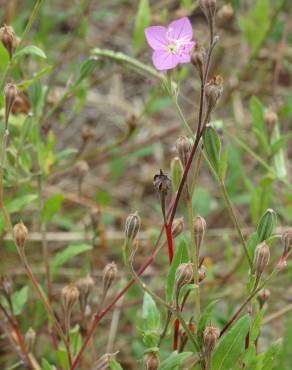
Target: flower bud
{"x": 10, "y": 93}
{"x": 85, "y": 286}
{"x": 184, "y": 275}
{"x": 210, "y": 337}
{"x": 82, "y": 168}
{"x": 225, "y": 15}
{"x": 262, "y": 256}
{"x": 184, "y": 148}
{"x": 176, "y": 172}
{"x": 287, "y": 241}
{"x": 8, "y": 39}
{"x": 198, "y": 58}
{"x": 29, "y": 338}
{"x": 263, "y": 297}
{"x": 132, "y": 226}
{"x": 162, "y": 182}
{"x": 177, "y": 227}
{"x": 70, "y": 295}
{"x": 20, "y": 234}
{"x": 213, "y": 92}
{"x": 109, "y": 274}
{"x": 151, "y": 361}
{"x": 199, "y": 225}
{"x": 208, "y": 7}
{"x": 270, "y": 119}
{"x": 202, "y": 273}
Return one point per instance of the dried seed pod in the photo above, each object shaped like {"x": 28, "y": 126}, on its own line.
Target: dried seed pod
{"x": 262, "y": 256}
{"x": 162, "y": 182}
{"x": 213, "y": 92}
{"x": 198, "y": 59}
{"x": 202, "y": 273}
{"x": 151, "y": 361}
{"x": 225, "y": 15}
{"x": 70, "y": 296}
{"x": 210, "y": 337}
{"x": 8, "y": 39}
{"x": 184, "y": 275}
{"x": 132, "y": 226}
{"x": 208, "y": 7}
{"x": 177, "y": 227}
{"x": 20, "y": 234}
{"x": 109, "y": 275}
{"x": 270, "y": 119}
{"x": 85, "y": 287}
{"x": 29, "y": 338}
{"x": 287, "y": 242}
{"x": 184, "y": 148}
{"x": 199, "y": 225}
{"x": 10, "y": 93}
{"x": 263, "y": 297}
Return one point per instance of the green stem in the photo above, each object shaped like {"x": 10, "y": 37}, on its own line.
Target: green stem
{"x": 235, "y": 221}
{"x": 195, "y": 258}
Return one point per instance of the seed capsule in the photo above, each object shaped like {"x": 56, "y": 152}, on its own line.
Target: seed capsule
{"x": 109, "y": 274}
{"x": 270, "y": 119}
{"x": 151, "y": 361}
{"x": 70, "y": 295}
{"x": 10, "y": 93}
{"x": 85, "y": 287}
{"x": 8, "y": 39}
{"x": 211, "y": 335}
{"x": 20, "y": 234}
{"x": 198, "y": 58}
{"x": 213, "y": 92}
{"x": 199, "y": 225}
{"x": 132, "y": 226}
{"x": 262, "y": 256}
{"x": 30, "y": 339}
{"x": 177, "y": 227}
{"x": 184, "y": 275}
{"x": 183, "y": 147}
{"x": 263, "y": 297}
{"x": 287, "y": 241}
{"x": 208, "y": 7}
{"x": 202, "y": 273}
{"x": 162, "y": 182}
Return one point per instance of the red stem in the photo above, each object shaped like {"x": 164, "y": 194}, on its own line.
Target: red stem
{"x": 175, "y": 337}
{"x": 169, "y": 242}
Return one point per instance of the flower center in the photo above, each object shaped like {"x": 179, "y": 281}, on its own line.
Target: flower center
{"x": 171, "y": 48}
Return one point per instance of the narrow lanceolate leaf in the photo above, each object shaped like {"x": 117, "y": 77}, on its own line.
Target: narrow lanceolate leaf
{"x": 30, "y": 50}
{"x": 213, "y": 146}
{"x": 279, "y": 157}
{"x": 180, "y": 256}
{"x": 151, "y": 323}
{"x": 266, "y": 225}
{"x": 141, "y": 22}
{"x": 175, "y": 359}
{"x": 231, "y": 345}
{"x": 51, "y": 207}
{"x": 114, "y": 365}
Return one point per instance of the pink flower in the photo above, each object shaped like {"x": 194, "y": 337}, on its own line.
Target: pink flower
{"x": 171, "y": 45}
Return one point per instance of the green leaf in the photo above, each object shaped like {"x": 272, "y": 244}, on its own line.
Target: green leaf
{"x": 114, "y": 365}
{"x": 151, "y": 322}
{"x": 213, "y": 147}
{"x": 68, "y": 253}
{"x": 30, "y": 50}
{"x": 51, "y": 207}
{"x": 284, "y": 360}
{"x": 18, "y": 203}
{"x": 141, "y": 22}
{"x": 256, "y": 23}
{"x": 204, "y": 320}
{"x": 180, "y": 256}
{"x": 75, "y": 340}
{"x": 223, "y": 164}
{"x": 270, "y": 355}
{"x": 87, "y": 68}
{"x": 174, "y": 360}
{"x": 258, "y": 125}
{"x": 279, "y": 157}
{"x": 266, "y": 225}
{"x": 231, "y": 345}
{"x": 46, "y": 365}
{"x": 19, "y": 300}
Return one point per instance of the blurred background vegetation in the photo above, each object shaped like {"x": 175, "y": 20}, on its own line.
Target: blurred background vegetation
{"x": 90, "y": 106}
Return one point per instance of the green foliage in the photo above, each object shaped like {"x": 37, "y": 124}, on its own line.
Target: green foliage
{"x": 141, "y": 22}
{"x": 151, "y": 324}
{"x": 256, "y": 23}
{"x": 174, "y": 360}
{"x": 29, "y": 50}
{"x": 71, "y": 251}
{"x": 231, "y": 345}
{"x": 51, "y": 207}
{"x": 19, "y": 299}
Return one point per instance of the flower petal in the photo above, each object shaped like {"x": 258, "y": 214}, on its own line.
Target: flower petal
{"x": 180, "y": 29}
{"x": 156, "y": 37}
{"x": 164, "y": 60}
